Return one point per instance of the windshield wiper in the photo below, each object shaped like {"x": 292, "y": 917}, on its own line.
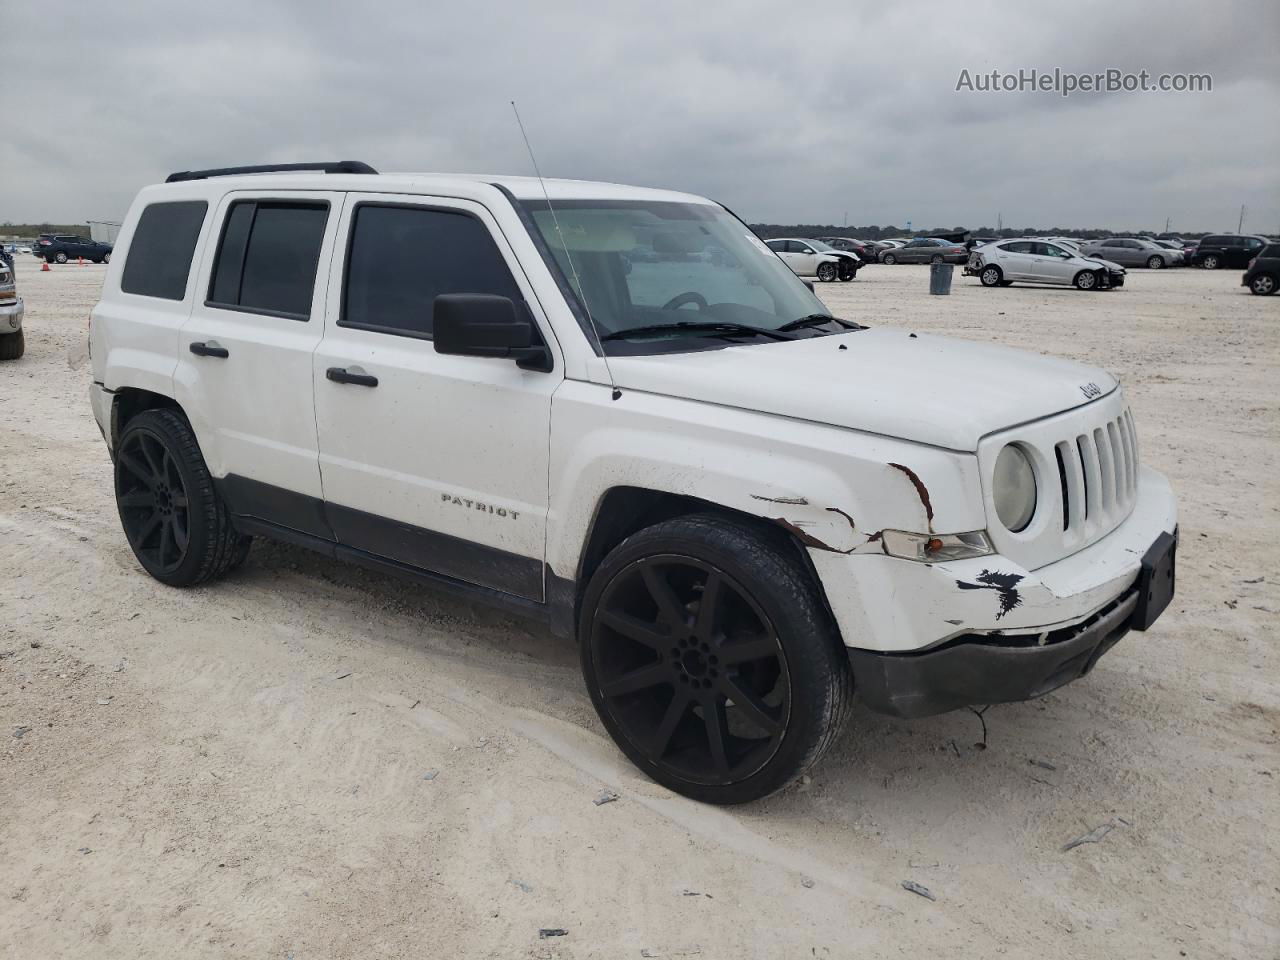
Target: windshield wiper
{"x": 697, "y": 326}
{"x": 817, "y": 319}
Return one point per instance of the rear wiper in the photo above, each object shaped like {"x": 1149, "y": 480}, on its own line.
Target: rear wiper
{"x": 696, "y": 326}
{"x": 817, "y": 319}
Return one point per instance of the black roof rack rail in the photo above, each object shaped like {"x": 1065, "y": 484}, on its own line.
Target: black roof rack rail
{"x": 332, "y": 166}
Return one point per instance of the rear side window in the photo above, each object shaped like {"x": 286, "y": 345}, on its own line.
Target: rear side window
{"x": 1018, "y": 246}
{"x": 164, "y": 242}
{"x": 267, "y": 257}
{"x": 401, "y": 258}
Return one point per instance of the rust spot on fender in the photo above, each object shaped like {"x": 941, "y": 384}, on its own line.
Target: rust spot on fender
{"x": 808, "y": 539}
{"x": 921, "y": 490}
{"x": 852, "y": 525}
{"x": 790, "y": 501}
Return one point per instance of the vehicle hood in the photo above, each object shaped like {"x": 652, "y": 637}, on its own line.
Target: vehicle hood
{"x": 1111, "y": 265}
{"x": 928, "y": 389}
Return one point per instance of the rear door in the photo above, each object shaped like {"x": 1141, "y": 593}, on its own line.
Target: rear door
{"x": 438, "y": 462}
{"x": 244, "y": 373}
{"x": 1016, "y": 261}
{"x": 1250, "y": 247}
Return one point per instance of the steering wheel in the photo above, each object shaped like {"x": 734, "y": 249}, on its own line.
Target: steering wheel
{"x": 680, "y": 299}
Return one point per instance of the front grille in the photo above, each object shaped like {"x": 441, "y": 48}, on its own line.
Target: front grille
{"x": 1098, "y": 476}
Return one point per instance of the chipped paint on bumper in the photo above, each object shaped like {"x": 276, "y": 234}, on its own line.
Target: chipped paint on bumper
{"x": 886, "y": 604}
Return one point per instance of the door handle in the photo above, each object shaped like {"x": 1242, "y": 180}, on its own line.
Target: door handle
{"x": 353, "y": 375}
{"x": 209, "y": 348}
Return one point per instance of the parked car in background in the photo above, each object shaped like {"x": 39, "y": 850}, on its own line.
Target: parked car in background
{"x": 866, "y": 250}
{"x": 12, "y": 343}
{"x": 1040, "y": 261}
{"x": 61, "y": 247}
{"x": 927, "y": 250}
{"x": 1229, "y": 250}
{"x": 808, "y": 258}
{"x": 1263, "y": 275}
{"x": 980, "y": 241}
{"x": 1133, "y": 252}
{"x": 685, "y": 516}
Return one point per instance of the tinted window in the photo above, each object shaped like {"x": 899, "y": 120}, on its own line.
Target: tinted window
{"x": 268, "y": 256}
{"x": 1272, "y": 251}
{"x": 401, "y": 258}
{"x": 777, "y": 246}
{"x": 1253, "y": 243}
{"x": 1018, "y": 246}
{"x": 160, "y": 253}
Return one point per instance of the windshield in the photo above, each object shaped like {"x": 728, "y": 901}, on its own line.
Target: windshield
{"x": 819, "y": 245}
{"x": 638, "y": 263}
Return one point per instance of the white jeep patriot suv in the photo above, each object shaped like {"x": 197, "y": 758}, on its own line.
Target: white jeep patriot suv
{"x": 616, "y": 409}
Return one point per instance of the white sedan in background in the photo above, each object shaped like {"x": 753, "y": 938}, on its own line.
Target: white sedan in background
{"x": 813, "y": 258}
{"x": 1030, "y": 260}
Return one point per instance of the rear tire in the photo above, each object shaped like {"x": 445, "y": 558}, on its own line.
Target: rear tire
{"x": 12, "y": 345}
{"x": 1263, "y": 285}
{"x": 712, "y": 660}
{"x": 60, "y": 257}
{"x": 936, "y": 258}
{"x": 178, "y": 527}
{"x": 890, "y": 259}
{"x": 1086, "y": 280}
{"x": 992, "y": 277}
{"x": 1210, "y": 262}
{"x": 106, "y": 258}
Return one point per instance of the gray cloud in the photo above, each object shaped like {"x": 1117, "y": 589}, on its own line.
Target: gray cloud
{"x": 785, "y": 112}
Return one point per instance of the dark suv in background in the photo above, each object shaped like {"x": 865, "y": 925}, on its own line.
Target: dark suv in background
{"x": 61, "y": 247}
{"x": 1227, "y": 250}
{"x": 1263, "y": 275}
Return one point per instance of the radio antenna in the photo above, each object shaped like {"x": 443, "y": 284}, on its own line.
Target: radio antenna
{"x": 564, "y": 244}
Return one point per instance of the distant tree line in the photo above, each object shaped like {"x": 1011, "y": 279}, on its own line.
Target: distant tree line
{"x": 8, "y": 229}
{"x": 877, "y": 232}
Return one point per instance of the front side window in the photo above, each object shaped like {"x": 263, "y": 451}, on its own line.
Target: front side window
{"x": 268, "y": 256}
{"x": 159, "y": 256}
{"x": 401, "y": 258}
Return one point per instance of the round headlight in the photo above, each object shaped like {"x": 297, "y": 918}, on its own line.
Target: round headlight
{"x": 1014, "y": 488}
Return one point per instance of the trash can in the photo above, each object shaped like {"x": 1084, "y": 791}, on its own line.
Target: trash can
{"x": 940, "y": 278}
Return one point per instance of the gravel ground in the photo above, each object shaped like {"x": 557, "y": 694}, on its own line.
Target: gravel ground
{"x": 242, "y": 770}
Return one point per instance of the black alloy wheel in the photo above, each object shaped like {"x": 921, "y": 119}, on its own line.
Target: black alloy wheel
{"x": 155, "y": 509}
{"x": 719, "y": 685}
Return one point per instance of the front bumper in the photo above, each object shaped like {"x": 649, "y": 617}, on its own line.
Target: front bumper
{"x": 11, "y": 315}
{"x": 985, "y": 669}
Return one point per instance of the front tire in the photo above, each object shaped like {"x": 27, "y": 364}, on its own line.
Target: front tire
{"x": 991, "y": 277}
{"x": 1263, "y": 285}
{"x": 1086, "y": 280}
{"x": 827, "y": 272}
{"x": 1155, "y": 263}
{"x": 1210, "y": 262}
{"x": 12, "y": 345}
{"x": 711, "y": 659}
{"x": 176, "y": 524}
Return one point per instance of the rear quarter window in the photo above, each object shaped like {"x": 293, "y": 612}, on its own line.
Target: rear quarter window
{"x": 158, "y": 261}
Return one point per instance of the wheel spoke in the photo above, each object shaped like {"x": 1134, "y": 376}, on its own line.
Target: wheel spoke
{"x": 150, "y": 457}
{"x": 676, "y": 710}
{"x": 180, "y": 537}
{"x": 149, "y": 527}
{"x": 136, "y": 467}
{"x": 717, "y": 734}
{"x": 752, "y": 707}
{"x": 165, "y": 530}
{"x": 641, "y": 679}
{"x": 137, "y": 498}
{"x": 761, "y": 648}
{"x": 635, "y": 629}
{"x": 708, "y": 608}
{"x": 669, "y": 605}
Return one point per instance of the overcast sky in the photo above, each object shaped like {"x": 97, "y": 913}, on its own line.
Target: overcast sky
{"x": 786, "y": 112}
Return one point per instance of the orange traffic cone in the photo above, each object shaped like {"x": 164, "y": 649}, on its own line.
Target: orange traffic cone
{"x": 81, "y": 259}
{"x": 44, "y": 267}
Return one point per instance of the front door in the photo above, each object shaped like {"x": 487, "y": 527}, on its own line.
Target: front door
{"x": 438, "y": 462}
{"x": 1053, "y": 264}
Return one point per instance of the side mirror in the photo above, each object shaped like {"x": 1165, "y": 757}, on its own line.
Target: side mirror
{"x": 481, "y": 325}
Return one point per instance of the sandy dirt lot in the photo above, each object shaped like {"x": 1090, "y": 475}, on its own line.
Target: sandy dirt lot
{"x": 239, "y": 770}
